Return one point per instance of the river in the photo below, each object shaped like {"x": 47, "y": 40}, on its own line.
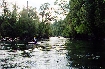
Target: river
{"x": 59, "y": 53}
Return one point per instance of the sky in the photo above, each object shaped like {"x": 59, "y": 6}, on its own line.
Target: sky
{"x": 23, "y": 3}
{"x": 33, "y": 3}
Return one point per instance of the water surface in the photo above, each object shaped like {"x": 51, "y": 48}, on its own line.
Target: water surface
{"x": 59, "y": 53}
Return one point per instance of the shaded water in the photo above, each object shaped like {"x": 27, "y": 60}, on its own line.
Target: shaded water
{"x": 86, "y": 54}
{"x": 59, "y": 53}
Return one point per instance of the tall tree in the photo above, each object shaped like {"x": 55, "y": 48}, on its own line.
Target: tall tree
{"x": 87, "y": 18}
{"x": 63, "y": 7}
{"x": 27, "y": 25}
{"x": 44, "y": 26}
{"x": 46, "y": 13}
{"x": 9, "y": 23}
{"x": 3, "y": 5}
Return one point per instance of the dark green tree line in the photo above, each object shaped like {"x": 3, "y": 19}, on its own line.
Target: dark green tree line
{"x": 85, "y": 19}
{"x": 24, "y": 24}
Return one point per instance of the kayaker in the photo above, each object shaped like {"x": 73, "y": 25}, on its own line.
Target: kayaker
{"x": 35, "y": 40}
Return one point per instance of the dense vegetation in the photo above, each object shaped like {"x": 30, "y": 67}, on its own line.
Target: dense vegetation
{"x": 24, "y": 24}
{"x": 85, "y": 19}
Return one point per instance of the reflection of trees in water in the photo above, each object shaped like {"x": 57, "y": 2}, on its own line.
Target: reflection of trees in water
{"x": 86, "y": 54}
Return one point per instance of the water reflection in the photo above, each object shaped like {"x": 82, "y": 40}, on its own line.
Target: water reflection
{"x": 53, "y": 56}
{"x": 86, "y": 54}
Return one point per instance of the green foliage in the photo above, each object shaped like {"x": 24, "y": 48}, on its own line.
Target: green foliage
{"x": 24, "y": 24}
{"x": 57, "y": 28}
{"x": 44, "y": 30}
{"x": 87, "y": 18}
{"x": 46, "y": 14}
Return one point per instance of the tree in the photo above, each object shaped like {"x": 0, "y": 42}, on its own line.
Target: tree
{"x": 9, "y": 23}
{"x": 4, "y": 14}
{"x": 63, "y": 7}
{"x": 1, "y": 21}
{"x": 86, "y": 18}
{"x": 46, "y": 13}
{"x": 61, "y": 27}
{"x": 44, "y": 26}
{"x": 19, "y": 24}
{"x": 27, "y": 25}
{"x": 58, "y": 28}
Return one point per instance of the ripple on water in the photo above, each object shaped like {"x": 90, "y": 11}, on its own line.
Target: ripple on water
{"x": 53, "y": 58}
